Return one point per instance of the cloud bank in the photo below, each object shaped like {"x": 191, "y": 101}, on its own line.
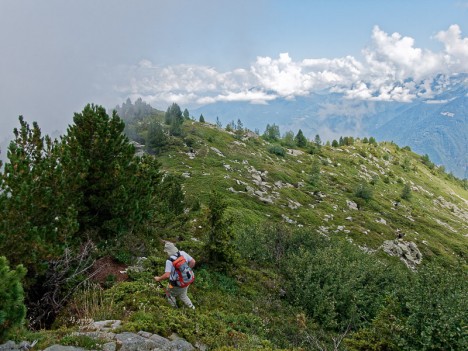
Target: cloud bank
{"x": 392, "y": 69}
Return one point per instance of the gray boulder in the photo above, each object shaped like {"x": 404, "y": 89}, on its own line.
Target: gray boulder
{"x": 407, "y": 251}
{"x": 134, "y": 342}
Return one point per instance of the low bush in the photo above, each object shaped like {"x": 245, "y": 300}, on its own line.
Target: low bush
{"x": 277, "y": 150}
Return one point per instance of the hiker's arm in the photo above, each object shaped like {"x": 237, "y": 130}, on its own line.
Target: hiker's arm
{"x": 192, "y": 263}
{"x": 163, "y": 277}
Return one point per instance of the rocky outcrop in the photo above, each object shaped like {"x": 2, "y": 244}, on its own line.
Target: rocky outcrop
{"x": 103, "y": 331}
{"x": 217, "y": 152}
{"x": 407, "y": 251}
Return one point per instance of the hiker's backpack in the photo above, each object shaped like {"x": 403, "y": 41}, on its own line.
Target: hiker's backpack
{"x": 185, "y": 275}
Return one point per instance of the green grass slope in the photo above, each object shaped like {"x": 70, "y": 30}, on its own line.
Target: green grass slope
{"x": 261, "y": 186}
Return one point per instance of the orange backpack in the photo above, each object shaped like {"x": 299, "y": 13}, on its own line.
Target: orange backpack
{"x": 185, "y": 275}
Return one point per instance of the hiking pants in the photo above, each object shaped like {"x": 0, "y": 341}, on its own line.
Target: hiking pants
{"x": 181, "y": 293}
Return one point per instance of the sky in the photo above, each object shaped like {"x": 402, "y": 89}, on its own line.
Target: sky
{"x": 58, "y": 55}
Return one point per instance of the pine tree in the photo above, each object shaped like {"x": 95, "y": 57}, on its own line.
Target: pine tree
{"x": 156, "y": 138}
{"x": 186, "y": 114}
{"x": 38, "y": 202}
{"x": 220, "y": 245}
{"x": 301, "y": 140}
{"x": 201, "y": 119}
{"x": 172, "y": 198}
{"x": 112, "y": 196}
{"x": 12, "y": 308}
{"x": 174, "y": 118}
{"x": 318, "y": 141}
{"x": 240, "y": 125}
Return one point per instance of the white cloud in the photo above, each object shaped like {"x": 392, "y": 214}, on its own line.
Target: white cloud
{"x": 393, "y": 69}
{"x": 456, "y": 47}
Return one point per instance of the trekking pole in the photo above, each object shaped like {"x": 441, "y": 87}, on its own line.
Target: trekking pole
{"x": 168, "y": 294}
{"x": 166, "y": 291}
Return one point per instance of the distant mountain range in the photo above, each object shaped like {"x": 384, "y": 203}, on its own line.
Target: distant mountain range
{"x": 436, "y": 126}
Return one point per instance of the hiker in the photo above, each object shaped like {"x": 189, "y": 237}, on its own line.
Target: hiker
{"x": 179, "y": 272}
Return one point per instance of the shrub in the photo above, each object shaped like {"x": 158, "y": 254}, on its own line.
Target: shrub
{"x": 364, "y": 191}
{"x": 339, "y": 286}
{"x": 428, "y": 313}
{"x": 406, "y": 192}
{"x": 277, "y": 150}
{"x": 426, "y": 161}
{"x": 437, "y": 310}
{"x": 220, "y": 245}
{"x": 12, "y": 308}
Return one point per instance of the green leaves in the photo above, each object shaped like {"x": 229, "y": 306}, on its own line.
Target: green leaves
{"x": 338, "y": 285}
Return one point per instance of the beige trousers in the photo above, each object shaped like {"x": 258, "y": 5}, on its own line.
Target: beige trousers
{"x": 181, "y": 293}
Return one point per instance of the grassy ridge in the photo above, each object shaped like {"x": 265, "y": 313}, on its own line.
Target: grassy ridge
{"x": 435, "y": 217}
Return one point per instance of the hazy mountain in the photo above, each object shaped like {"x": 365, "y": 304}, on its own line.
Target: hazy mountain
{"x": 437, "y": 127}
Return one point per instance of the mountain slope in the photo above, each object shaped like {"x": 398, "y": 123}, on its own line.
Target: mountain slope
{"x": 437, "y": 127}
{"x": 261, "y": 186}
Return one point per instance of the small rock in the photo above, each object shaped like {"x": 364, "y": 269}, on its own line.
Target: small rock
{"x": 352, "y": 205}
{"x": 110, "y": 346}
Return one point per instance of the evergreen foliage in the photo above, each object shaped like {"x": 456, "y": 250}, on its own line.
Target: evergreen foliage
{"x": 138, "y": 111}
{"x": 272, "y": 133}
{"x": 156, "y": 138}
{"x": 314, "y": 178}
{"x": 174, "y": 118}
{"x": 171, "y": 197}
{"x": 288, "y": 139}
{"x": 406, "y": 192}
{"x": 240, "y": 125}
{"x": 427, "y": 161}
{"x": 301, "y": 140}
{"x": 104, "y": 158}
{"x": 220, "y": 244}
{"x": 186, "y": 114}
{"x": 201, "y": 119}
{"x": 12, "y": 308}
{"x": 38, "y": 199}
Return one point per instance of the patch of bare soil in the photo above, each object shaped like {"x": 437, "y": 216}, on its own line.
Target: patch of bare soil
{"x": 107, "y": 269}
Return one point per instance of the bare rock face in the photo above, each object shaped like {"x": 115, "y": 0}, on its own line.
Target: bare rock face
{"x": 407, "y": 251}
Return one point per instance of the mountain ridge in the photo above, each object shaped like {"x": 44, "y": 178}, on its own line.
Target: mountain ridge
{"x": 331, "y": 115}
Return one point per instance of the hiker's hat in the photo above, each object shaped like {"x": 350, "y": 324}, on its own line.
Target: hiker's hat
{"x": 170, "y": 248}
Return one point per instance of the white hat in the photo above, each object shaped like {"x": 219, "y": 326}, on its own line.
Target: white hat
{"x": 170, "y": 248}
